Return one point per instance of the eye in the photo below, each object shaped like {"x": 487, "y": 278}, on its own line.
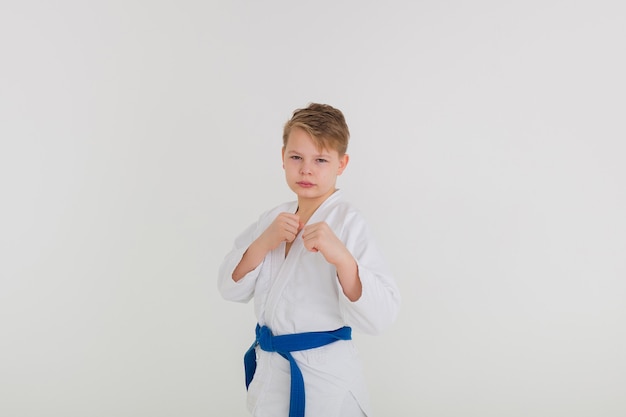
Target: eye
{"x": 321, "y": 160}
{"x": 295, "y": 157}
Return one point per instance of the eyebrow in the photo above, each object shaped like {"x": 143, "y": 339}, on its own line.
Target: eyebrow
{"x": 321, "y": 155}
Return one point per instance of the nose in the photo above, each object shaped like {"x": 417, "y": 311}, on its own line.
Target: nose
{"x": 305, "y": 168}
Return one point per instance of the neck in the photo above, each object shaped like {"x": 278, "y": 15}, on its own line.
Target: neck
{"x": 306, "y": 207}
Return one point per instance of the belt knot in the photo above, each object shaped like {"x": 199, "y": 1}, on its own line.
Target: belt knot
{"x": 265, "y": 339}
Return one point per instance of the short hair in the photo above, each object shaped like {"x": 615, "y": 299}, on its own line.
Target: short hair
{"x": 326, "y": 125}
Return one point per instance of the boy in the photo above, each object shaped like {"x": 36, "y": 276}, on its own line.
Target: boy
{"x": 313, "y": 269}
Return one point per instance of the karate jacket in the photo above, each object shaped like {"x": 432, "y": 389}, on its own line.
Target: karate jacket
{"x": 301, "y": 293}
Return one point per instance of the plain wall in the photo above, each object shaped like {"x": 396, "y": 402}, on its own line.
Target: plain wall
{"x": 137, "y": 138}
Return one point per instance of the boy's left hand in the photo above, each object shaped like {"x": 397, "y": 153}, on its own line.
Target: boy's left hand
{"x": 319, "y": 237}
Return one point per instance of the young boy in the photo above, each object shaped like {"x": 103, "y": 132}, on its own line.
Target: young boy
{"x": 313, "y": 269}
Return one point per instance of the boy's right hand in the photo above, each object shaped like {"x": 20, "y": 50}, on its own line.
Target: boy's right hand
{"x": 284, "y": 228}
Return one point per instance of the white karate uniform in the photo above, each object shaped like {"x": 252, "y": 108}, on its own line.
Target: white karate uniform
{"x": 301, "y": 293}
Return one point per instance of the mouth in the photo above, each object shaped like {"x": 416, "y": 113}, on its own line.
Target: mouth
{"x": 305, "y": 184}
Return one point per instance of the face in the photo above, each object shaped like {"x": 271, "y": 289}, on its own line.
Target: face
{"x": 311, "y": 173}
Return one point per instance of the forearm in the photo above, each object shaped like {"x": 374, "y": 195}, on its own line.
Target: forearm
{"x": 250, "y": 260}
{"x": 348, "y": 275}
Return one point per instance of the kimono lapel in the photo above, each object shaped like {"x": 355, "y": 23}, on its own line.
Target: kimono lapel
{"x": 288, "y": 266}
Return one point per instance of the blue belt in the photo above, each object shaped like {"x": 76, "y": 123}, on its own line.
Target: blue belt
{"x": 284, "y": 345}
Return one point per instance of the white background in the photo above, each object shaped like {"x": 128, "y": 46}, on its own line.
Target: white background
{"x": 488, "y": 145}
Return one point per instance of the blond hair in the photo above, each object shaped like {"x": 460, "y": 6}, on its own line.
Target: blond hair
{"x": 325, "y": 124}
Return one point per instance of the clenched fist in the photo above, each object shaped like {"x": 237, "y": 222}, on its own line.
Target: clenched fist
{"x": 319, "y": 237}
{"x": 284, "y": 228}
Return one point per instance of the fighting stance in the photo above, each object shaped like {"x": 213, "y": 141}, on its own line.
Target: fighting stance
{"x": 315, "y": 273}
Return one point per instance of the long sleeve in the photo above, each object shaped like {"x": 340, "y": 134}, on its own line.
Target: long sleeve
{"x": 378, "y": 306}
{"x": 242, "y": 290}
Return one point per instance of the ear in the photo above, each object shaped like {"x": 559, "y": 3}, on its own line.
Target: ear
{"x": 282, "y": 156}
{"x": 343, "y": 163}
